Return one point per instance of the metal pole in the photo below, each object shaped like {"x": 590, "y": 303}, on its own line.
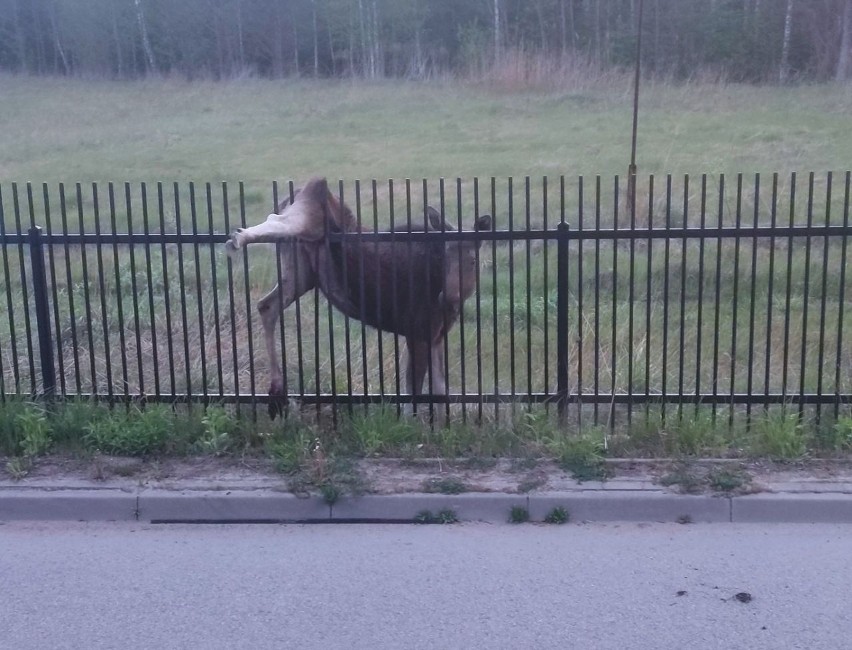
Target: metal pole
{"x": 562, "y": 319}
{"x": 631, "y": 173}
{"x": 42, "y": 306}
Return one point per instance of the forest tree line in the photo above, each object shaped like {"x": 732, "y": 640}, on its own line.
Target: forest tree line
{"x": 738, "y": 40}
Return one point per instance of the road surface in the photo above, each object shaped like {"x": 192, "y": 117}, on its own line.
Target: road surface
{"x": 74, "y": 585}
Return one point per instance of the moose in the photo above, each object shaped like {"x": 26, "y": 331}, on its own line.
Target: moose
{"x": 413, "y": 289}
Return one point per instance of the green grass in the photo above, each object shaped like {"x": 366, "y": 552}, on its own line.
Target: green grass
{"x": 54, "y": 130}
{"x": 77, "y": 130}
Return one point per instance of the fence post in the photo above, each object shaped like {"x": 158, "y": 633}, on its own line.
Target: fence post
{"x": 42, "y": 306}
{"x": 562, "y": 318}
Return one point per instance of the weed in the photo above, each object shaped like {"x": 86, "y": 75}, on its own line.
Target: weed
{"x": 219, "y": 427}
{"x": 36, "y": 431}
{"x": 424, "y": 517}
{"x": 835, "y": 436}
{"x": 10, "y": 430}
{"x": 779, "y": 435}
{"x": 19, "y": 467}
{"x": 381, "y": 430}
{"x": 558, "y": 515}
{"x": 136, "y": 432}
{"x": 519, "y": 515}
{"x": 69, "y": 421}
{"x": 445, "y": 516}
{"x": 448, "y": 485}
{"x": 582, "y": 456}
{"x": 727, "y": 480}
{"x": 685, "y": 478}
{"x": 330, "y": 492}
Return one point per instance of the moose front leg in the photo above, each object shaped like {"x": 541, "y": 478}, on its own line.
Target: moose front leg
{"x": 270, "y": 309}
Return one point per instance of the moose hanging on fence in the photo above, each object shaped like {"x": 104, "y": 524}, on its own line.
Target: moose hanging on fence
{"x": 411, "y": 288}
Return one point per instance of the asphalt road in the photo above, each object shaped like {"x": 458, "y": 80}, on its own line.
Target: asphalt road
{"x": 465, "y": 586}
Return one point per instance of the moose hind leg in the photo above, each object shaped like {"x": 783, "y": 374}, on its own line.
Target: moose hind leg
{"x": 439, "y": 372}
{"x": 415, "y": 371}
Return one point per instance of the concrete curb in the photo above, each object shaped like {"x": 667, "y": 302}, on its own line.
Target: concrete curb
{"x": 269, "y": 506}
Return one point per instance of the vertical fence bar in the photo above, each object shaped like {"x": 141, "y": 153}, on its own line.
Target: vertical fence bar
{"x": 395, "y": 292}
{"x": 378, "y": 280}
{"x": 614, "y": 323}
{"x": 232, "y": 307}
{"x": 282, "y": 400}
{"x": 562, "y": 347}
{"x": 134, "y": 290}
{"x": 842, "y": 295}
{"x": 752, "y": 301}
{"x": 167, "y": 290}
{"x": 682, "y": 340}
{"x": 528, "y": 263}
{"x": 86, "y": 298}
{"x": 631, "y": 291}
{"x": 199, "y": 302}
{"x": 332, "y": 356}
{"x": 580, "y": 287}
{"x": 478, "y": 299}
{"x": 770, "y": 290}
{"x": 666, "y": 251}
{"x": 60, "y": 361}
{"x": 208, "y": 192}
{"x": 494, "y": 301}
{"x": 347, "y": 331}
{"x": 806, "y": 295}
{"x": 545, "y": 244}
{"x": 789, "y": 291}
{"x": 42, "y": 309}
{"x": 362, "y": 303}
{"x": 462, "y": 363}
{"x": 182, "y": 286}
{"x": 71, "y": 289}
{"x": 648, "y": 300}
{"x": 597, "y": 365}
{"x": 102, "y": 291}
{"x": 822, "y": 298}
{"x": 7, "y": 277}
{"x": 717, "y": 304}
{"x": 735, "y": 301}
{"x": 297, "y": 272}
{"x": 317, "y": 383}
{"x": 702, "y": 225}
{"x": 24, "y": 290}
{"x": 155, "y": 353}
{"x": 247, "y": 290}
{"x": 119, "y": 297}
{"x": 429, "y": 289}
{"x": 512, "y": 372}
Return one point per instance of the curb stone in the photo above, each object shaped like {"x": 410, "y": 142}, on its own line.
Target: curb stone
{"x": 269, "y": 506}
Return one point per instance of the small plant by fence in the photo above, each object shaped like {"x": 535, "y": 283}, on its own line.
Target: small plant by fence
{"x": 726, "y": 294}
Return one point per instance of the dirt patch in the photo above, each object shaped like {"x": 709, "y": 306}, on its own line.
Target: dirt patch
{"x": 394, "y": 476}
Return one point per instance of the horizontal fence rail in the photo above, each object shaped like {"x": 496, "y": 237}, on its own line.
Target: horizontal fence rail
{"x": 729, "y": 293}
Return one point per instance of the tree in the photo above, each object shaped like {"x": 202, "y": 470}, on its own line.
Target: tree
{"x": 842, "y": 73}
{"x": 146, "y": 42}
{"x": 784, "y": 71}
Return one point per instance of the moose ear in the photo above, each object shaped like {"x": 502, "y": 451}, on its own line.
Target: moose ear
{"x": 483, "y": 222}
{"x": 435, "y": 220}
{"x": 316, "y": 188}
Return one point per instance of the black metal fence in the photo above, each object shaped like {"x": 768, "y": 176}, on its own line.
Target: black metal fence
{"x": 724, "y": 292}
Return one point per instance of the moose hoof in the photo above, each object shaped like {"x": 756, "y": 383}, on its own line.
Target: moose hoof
{"x": 232, "y": 246}
{"x": 277, "y": 399}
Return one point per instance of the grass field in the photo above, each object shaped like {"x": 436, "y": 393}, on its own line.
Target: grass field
{"x": 256, "y": 131}
{"x": 72, "y": 130}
